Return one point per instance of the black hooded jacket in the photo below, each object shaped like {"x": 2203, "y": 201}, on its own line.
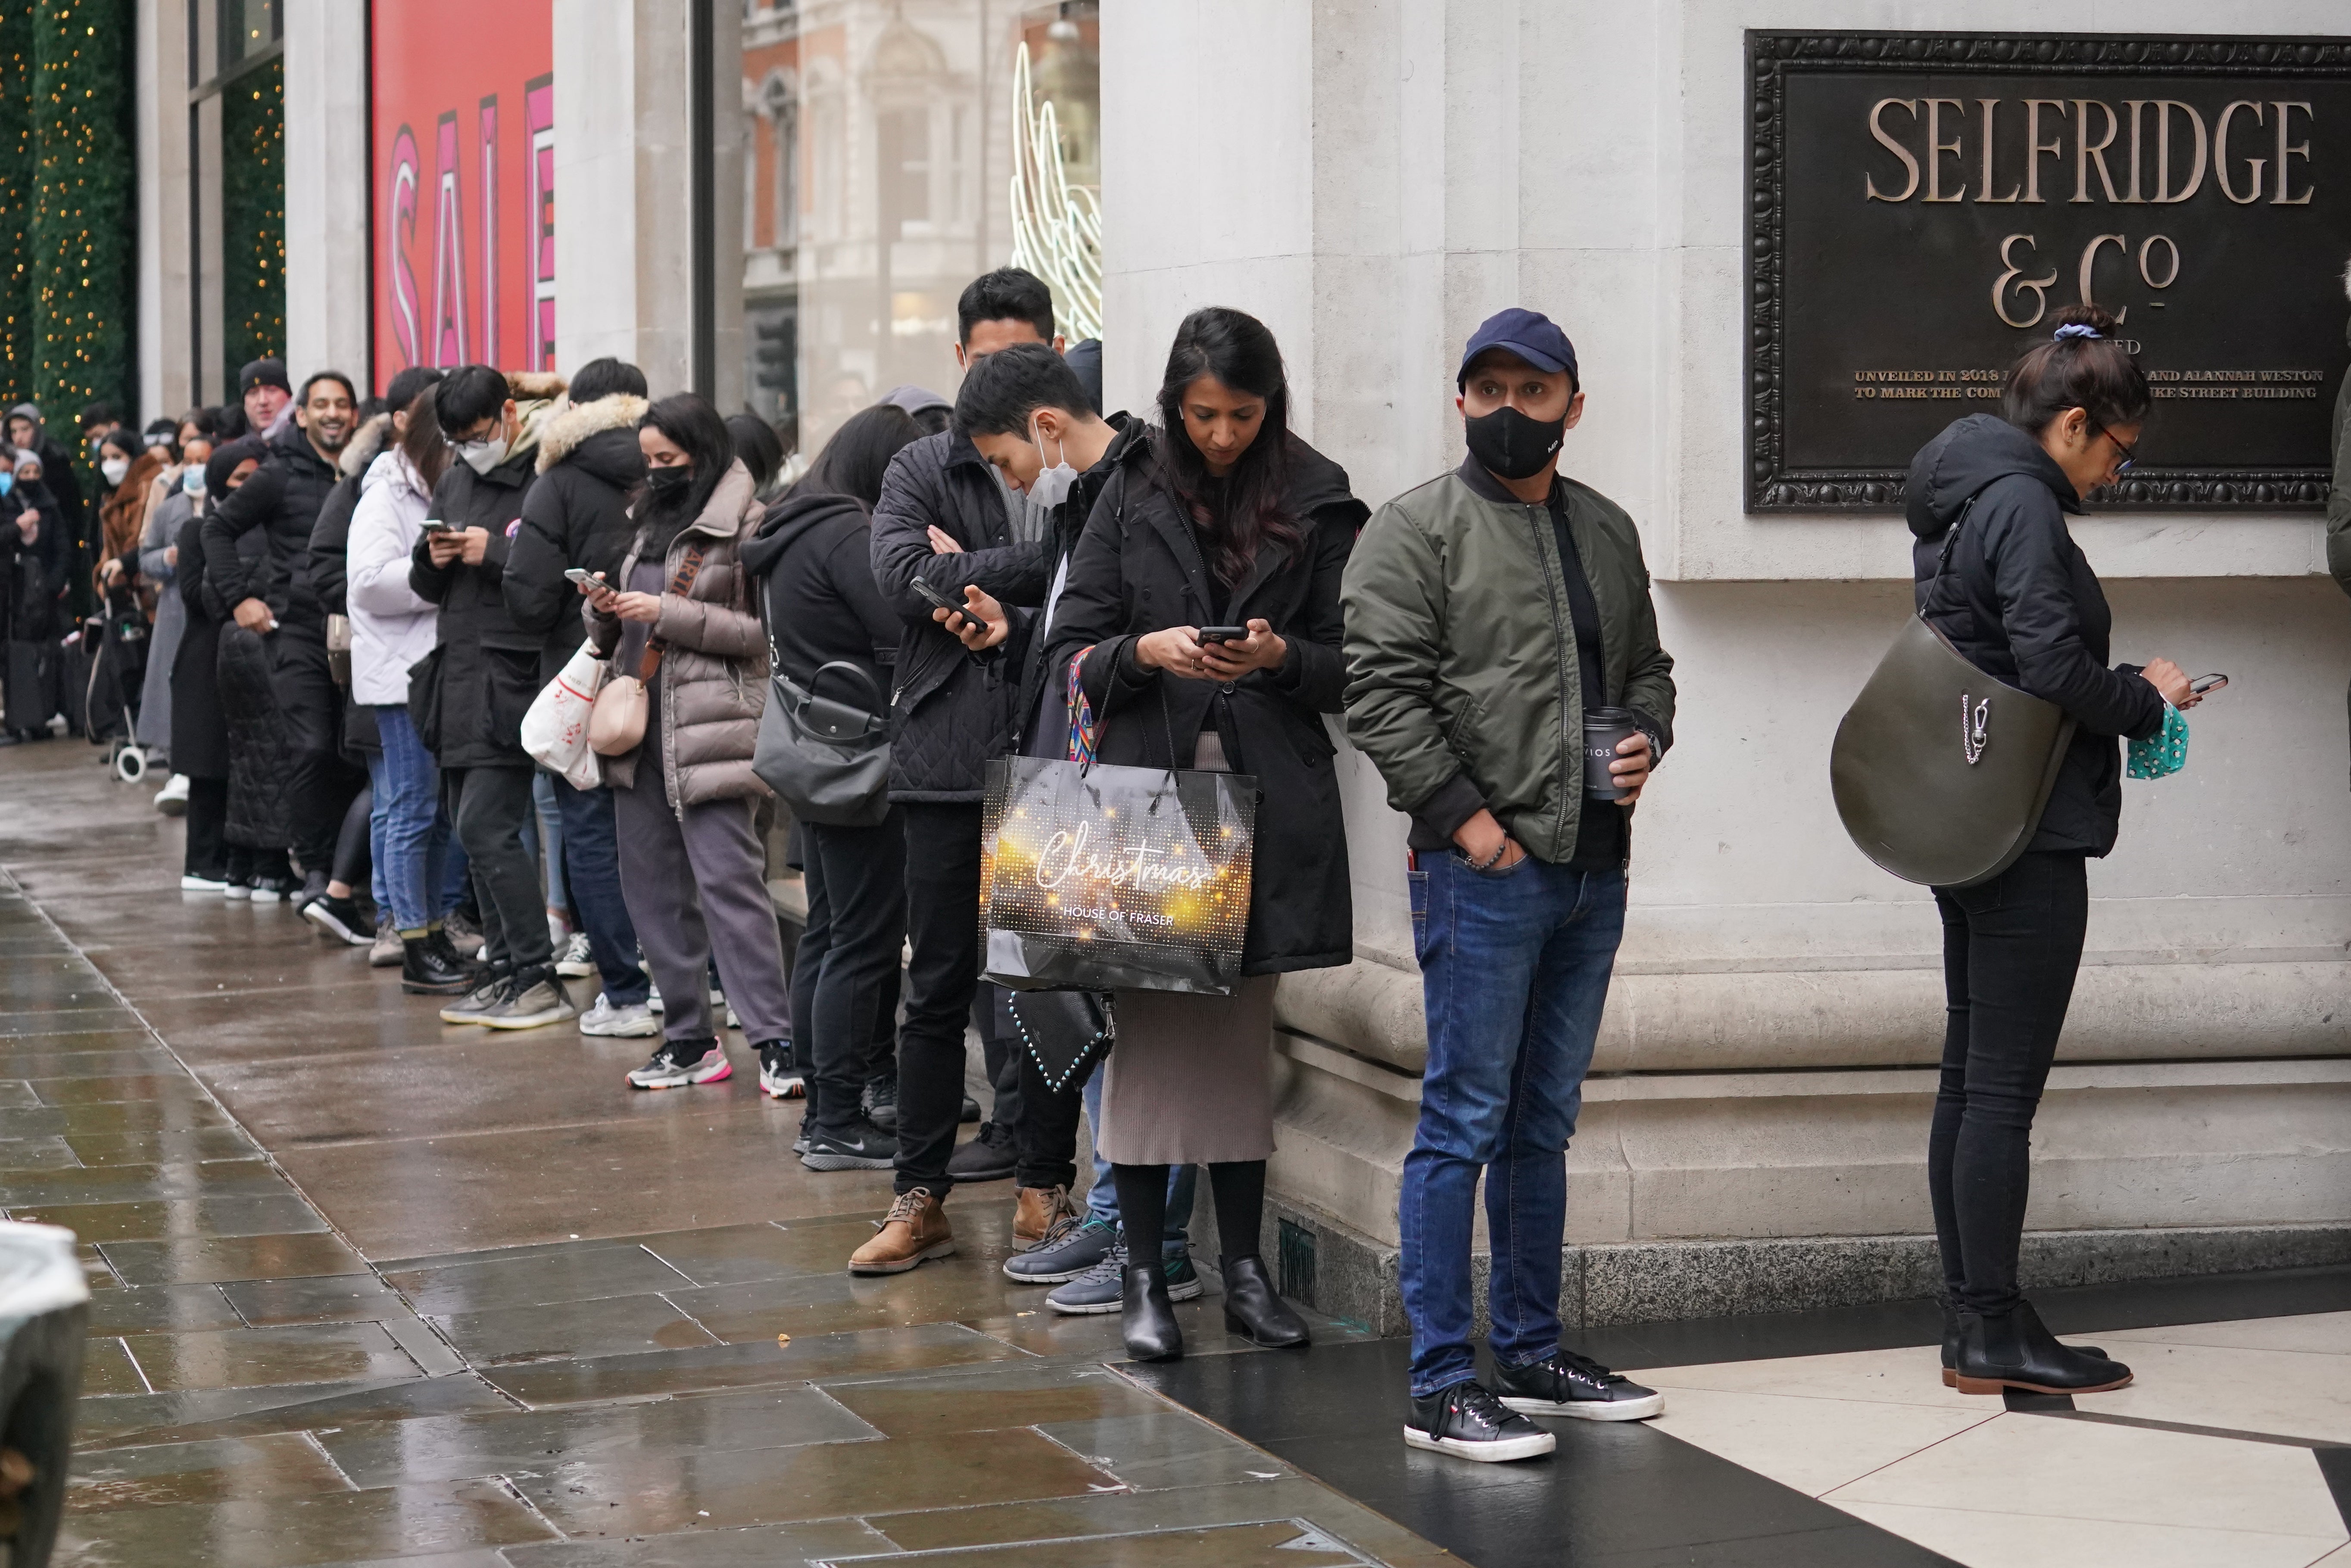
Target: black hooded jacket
{"x": 814, "y": 556}
{"x": 1138, "y": 568}
{"x": 2020, "y": 603}
{"x": 576, "y": 515}
{"x": 282, "y": 499}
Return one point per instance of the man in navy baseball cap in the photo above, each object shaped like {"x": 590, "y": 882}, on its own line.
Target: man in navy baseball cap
{"x": 1505, "y": 677}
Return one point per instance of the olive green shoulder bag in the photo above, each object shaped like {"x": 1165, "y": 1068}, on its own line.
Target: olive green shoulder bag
{"x": 1940, "y": 772}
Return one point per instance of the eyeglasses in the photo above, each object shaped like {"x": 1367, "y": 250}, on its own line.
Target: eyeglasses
{"x": 2129, "y": 453}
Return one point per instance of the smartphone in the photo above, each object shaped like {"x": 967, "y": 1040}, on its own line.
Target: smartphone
{"x": 582, "y": 575}
{"x": 438, "y": 526}
{"x": 937, "y": 598}
{"x": 1223, "y": 633}
{"x": 2204, "y": 685}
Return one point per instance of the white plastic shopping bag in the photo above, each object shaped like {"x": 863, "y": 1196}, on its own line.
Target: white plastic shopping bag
{"x": 555, "y": 731}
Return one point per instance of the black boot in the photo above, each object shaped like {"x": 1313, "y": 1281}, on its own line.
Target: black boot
{"x": 427, "y": 968}
{"x": 1253, "y": 1310}
{"x": 1148, "y": 1318}
{"x": 2014, "y": 1350}
{"x": 1951, "y": 1342}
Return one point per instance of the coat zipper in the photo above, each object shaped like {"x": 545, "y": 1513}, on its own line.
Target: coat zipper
{"x": 1561, "y": 637}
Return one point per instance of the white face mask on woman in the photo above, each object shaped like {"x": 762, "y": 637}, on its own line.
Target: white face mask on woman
{"x": 114, "y": 468}
{"x": 1051, "y": 486}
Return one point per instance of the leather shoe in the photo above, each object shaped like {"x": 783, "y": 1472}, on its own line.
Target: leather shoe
{"x": 1254, "y": 1309}
{"x": 2014, "y": 1350}
{"x": 1147, "y": 1318}
{"x": 915, "y": 1228}
{"x": 1951, "y": 1342}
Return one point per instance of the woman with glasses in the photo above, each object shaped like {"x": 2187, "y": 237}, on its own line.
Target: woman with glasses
{"x": 2017, "y": 598}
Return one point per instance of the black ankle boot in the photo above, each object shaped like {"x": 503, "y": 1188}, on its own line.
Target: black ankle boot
{"x": 1253, "y": 1310}
{"x": 1951, "y": 1336}
{"x": 2014, "y": 1350}
{"x": 1148, "y": 1318}
{"x": 429, "y": 969}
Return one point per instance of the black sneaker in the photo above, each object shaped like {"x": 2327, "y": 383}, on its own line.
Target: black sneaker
{"x": 799, "y": 1139}
{"x": 341, "y": 918}
{"x": 970, "y": 1110}
{"x": 861, "y": 1145}
{"x": 275, "y": 889}
{"x": 987, "y": 1157}
{"x": 1572, "y": 1385}
{"x": 1467, "y": 1421}
{"x": 781, "y": 1076}
{"x": 880, "y": 1104}
{"x": 427, "y": 968}
{"x": 679, "y": 1063}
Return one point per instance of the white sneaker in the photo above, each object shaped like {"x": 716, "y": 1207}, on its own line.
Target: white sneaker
{"x": 172, "y": 800}
{"x": 624, "y": 1022}
{"x": 653, "y": 1001}
{"x": 202, "y": 885}
{"x": 572, "y": 957}
{"x": 386, "y": 952}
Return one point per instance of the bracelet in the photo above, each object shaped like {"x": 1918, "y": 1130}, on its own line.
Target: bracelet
{"x": 1494, "y": 859}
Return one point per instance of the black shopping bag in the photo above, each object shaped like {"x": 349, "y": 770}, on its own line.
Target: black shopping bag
{"x": 1094, "y": 877}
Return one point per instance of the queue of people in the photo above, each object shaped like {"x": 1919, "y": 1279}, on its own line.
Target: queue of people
{"x": 1020, "y": 574}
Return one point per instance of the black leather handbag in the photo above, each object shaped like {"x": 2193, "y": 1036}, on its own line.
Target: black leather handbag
{"x": 1065, "y": 1032}
{"x": 826, "y": 759}
{"x": 1940, "y": 772}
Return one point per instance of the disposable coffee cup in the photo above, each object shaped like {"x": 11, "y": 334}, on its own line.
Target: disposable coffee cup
{"x": 1604, "y": 728}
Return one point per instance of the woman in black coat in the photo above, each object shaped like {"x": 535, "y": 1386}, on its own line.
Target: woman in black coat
{"x": 32, "y": 571}
{"x": 1222, "y": 519}
{"x": 199, "y": 739}
{"x": 1999, "y": 576}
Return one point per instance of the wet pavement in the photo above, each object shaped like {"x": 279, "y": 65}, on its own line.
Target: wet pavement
{"x": 367, "y": 1288}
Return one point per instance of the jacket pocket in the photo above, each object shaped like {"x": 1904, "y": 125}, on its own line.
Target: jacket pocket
{"x": 424, "y": 698}
{"x": 511, "y": 682}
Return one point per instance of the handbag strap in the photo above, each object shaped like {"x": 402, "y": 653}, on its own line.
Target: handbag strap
{"x": 681, "y": 584}
{"x": 1943, "y": 562}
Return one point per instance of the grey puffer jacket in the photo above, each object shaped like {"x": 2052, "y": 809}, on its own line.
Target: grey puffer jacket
{"x": 713, "y": 680}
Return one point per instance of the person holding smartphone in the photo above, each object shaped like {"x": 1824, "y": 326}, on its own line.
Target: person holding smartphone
{"x": 2017, "y": 600}
{"x": 1221, "y": 518}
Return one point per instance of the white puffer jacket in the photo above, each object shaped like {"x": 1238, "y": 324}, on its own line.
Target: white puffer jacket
{"x": 392, "y": 629}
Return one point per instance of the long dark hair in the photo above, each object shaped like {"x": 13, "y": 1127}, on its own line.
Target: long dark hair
{"x": 853, "y": 462}
{"x": 2088, "y": 370}
{"x": 1238, "y": 516}
{"x": 426, "y": 448}
{"x": 696, "y": 430}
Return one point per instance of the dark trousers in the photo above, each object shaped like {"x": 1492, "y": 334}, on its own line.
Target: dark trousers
{"x": 2012, "y": 947}
{"x": 999, "y": 1052}
{"x": 1045, "y": 1126}
{"x": 321, "y": 783}
{"x": 591, "y": 874}
{"x": 488, "y": 806}
{"x": 207, "y": 819}
{"x": 353, "y": 859}
{"x": 943, "y": 929}
{"x": 856, "y": 880}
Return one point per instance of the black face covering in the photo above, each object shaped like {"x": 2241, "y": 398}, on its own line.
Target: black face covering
{"x": 670, "y": 481}
{"x": 1510, "y": 445}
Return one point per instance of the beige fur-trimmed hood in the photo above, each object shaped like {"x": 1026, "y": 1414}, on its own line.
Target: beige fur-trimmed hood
{"x": 366, "y": 443}
{"x": 576, "y": 422}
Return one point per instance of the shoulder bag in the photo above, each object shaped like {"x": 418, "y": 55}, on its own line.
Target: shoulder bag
{"x": 616, "y": 725}
{"x": 1940, "y": 772}
{"x": 827, "y": 759}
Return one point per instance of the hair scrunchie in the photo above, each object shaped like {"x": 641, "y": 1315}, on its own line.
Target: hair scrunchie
{"x": 2075, "y": 329}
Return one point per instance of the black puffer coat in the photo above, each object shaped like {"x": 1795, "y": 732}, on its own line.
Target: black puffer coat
{"x": 33, "y": 571}
{"x": 576, "y": 515}
{"x": 2021, "y": 604}
{"x": 199, "y": 728}
{"x": 330, "y": 536}
{"x": 954, "y": 708}
{"x": 281, "y": 500}
{"x": 814, "y": 557}
{"x": 261, "y": 744}
{"x": 481, "y": 679}
{"x": 1139, "y": 568}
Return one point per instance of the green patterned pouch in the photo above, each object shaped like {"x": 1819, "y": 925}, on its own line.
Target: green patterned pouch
{"x": 2164, "y": 754}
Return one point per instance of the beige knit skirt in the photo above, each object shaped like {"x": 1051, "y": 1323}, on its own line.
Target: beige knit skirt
{"x": 1187, "y": 1082}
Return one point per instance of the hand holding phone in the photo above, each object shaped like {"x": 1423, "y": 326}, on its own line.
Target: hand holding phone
{"x": 1208, "y": 634}
{"x": 587, "y": 580}
{"x": 2205, "y": 685}
{"x": 439, "y": 525}
{"x": 934, "y": 597}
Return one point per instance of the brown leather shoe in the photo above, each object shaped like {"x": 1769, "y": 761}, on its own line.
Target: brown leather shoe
{"x": 915, "y": 1228}
{"x": 1039, "y": 1208}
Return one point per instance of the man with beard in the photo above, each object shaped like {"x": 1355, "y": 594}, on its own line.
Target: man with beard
{"x": 273, "y": 599}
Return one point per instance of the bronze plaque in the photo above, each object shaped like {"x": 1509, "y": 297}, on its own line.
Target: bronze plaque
{"x": 1924, "y": 204}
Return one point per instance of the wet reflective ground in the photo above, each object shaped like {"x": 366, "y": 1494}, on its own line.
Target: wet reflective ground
{"x": 367, "y": 1288}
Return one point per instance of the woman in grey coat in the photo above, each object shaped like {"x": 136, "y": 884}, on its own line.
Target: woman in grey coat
{"x": 159, "y": 560}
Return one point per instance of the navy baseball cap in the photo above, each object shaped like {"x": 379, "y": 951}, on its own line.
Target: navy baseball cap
{"x": 1530, "y": 334}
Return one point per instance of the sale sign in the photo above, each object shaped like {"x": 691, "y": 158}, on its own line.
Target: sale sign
{"x": 463, "y": 187}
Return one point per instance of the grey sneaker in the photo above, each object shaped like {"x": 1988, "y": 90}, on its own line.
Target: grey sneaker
{"x": 1103, "y": 1288}
{"x": 386, "y": 952}
{"x": 535, "y": 998}
{"x": 634, "y": 1022}
{"x": 670, "y": 1066}
{"x": 1074, "y": 1245}
{"x": 470, "y": 1007}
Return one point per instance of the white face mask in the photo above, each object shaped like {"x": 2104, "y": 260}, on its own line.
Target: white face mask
{"x": 1051, "y": 486}
{"x": 114, "y": 468}
{"x": 482, "y": 456}
{"x": 192, "y": 481}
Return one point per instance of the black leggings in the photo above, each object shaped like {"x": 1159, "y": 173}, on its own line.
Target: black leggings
{"x": 2012, "y": 947}
{"x": 1239, "y": 1188}
{"x": 351, "y": 858}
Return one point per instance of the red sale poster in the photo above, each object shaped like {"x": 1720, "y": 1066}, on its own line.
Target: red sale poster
{"x": 463, "y": 190}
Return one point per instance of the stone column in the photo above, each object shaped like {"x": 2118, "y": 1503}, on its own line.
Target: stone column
{"x": 166, "y": 376}
{"x": 327, "y": 189}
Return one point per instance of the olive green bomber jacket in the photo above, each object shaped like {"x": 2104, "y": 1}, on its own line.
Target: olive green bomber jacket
{"x": 1463, "y": 685}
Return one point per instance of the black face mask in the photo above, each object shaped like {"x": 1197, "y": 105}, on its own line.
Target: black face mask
{"x": 670, "y": 481}
{"x": 1510, "y": 445}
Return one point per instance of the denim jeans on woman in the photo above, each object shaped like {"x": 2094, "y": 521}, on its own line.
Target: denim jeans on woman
{"x": 415, "y": 835}
{"x": 1514, "y": 968}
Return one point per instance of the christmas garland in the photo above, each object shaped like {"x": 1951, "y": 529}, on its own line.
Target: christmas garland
{"x": 82, "y": 227}
{"x": 252, "y": 216}
{"x": 16, "y": 200}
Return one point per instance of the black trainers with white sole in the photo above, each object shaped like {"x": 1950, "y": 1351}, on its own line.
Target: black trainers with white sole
{"x": 781, "y": 1076}
{"x": 1567, "y": 1384}
{"x": 1467, "y": 1421}
{"x": 861, "y": 1145}
{"x": 342, "y": 919}
{"x": 681, "y": 1063}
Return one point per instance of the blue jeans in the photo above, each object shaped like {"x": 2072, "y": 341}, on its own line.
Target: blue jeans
{"x": 413, "y": 856}
{"x": 590, "y": 852}
{"x": 1514, "y": 971}
{"x": 550, "y": 823}
{"x": 1101, "y": 1198}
